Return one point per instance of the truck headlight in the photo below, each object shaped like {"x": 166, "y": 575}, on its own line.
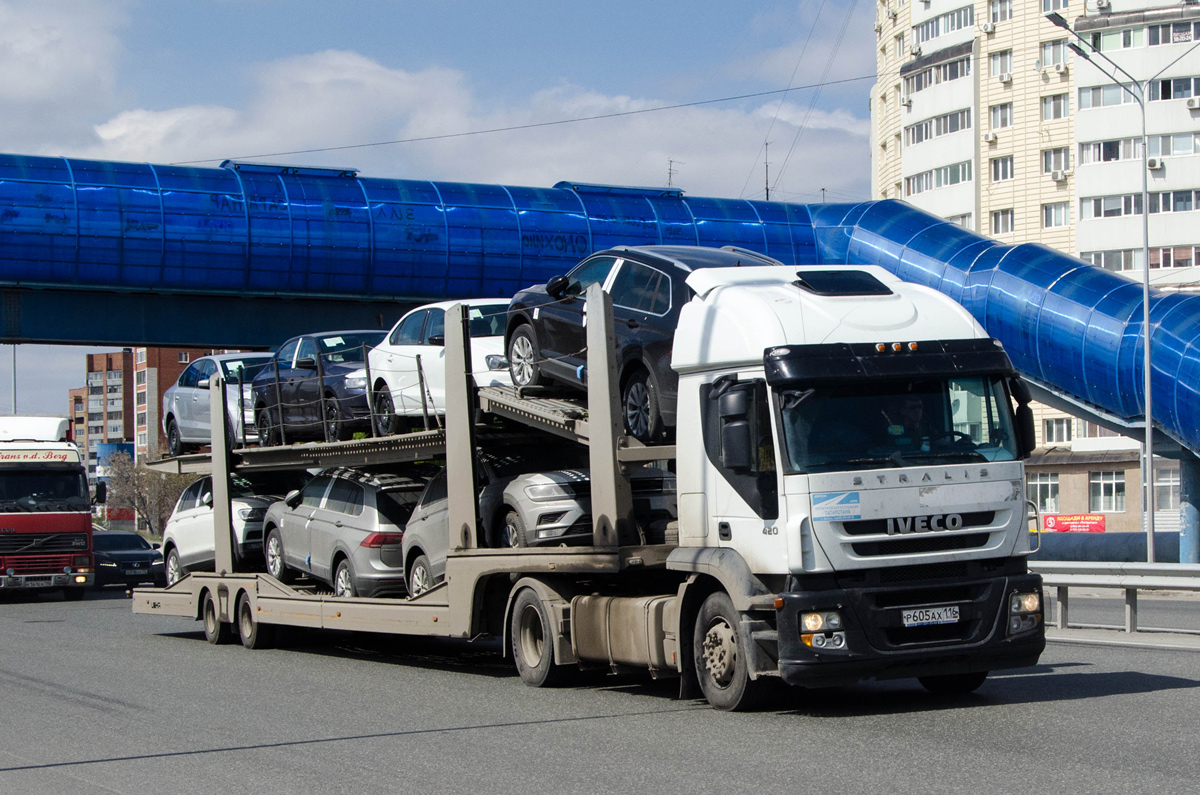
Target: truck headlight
{"x": 820, "y": 622}
{"x": 1025, "y": 603}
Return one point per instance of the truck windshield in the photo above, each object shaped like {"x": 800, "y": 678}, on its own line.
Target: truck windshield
{"x": 844, "y": 426}
{"x": 43, "y": 489}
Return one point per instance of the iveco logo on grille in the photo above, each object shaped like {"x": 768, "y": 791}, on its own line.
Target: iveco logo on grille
{"x": 924, "y": 524}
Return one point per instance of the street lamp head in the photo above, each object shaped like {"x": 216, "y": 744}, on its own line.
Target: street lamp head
{"x": 1057, "y": 20}
{"x": 1075, "y": 48}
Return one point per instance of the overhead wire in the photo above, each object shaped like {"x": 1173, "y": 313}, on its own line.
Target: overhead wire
{"x": 532, "y": 125}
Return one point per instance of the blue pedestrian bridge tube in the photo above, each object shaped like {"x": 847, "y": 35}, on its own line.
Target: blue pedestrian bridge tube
{"x": 250, "y": 229}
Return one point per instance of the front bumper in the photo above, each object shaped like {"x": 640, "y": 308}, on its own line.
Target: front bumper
{"x": 878, "y": 644}
{"x": 20, "y": 582}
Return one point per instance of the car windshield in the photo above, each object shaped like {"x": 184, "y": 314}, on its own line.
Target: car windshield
{"x": 244, "y": 370}
{"x": 487, "y": 321}
{"x": 396, "y": 505}
{"x": 519, "y": 459}
{"x": 118, "y": 542}
{"x": 895, "y": 424}
{"x": 340, "y": 348}
{"x": 274, "y": 484}
{"x": 35, "y": 490}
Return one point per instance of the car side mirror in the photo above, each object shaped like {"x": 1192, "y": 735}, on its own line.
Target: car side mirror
{"x": 306, "y": 363}
{"x": 156, "y": 545}
{"x": 557, "y": 286}
{"x": 292, "y": 499}
{"x": 202, "y": 383}
{"x": 101, "y": 493}
{"x": 206, "y": 500}
{"x": 436, "y": 339}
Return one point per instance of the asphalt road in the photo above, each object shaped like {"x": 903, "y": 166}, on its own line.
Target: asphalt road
{"x": 97, "y": 700}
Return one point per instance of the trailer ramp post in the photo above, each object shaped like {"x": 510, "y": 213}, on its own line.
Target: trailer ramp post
{"x": 460, "y": 432}
{"x": 222, "y": 508}
{"x": 612, "y": 497}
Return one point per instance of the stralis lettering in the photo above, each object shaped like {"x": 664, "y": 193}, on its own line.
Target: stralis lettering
{"x": 924, "y": 524}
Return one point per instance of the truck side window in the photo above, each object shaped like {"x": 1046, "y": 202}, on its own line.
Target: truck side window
{"x": 756, "y": 484}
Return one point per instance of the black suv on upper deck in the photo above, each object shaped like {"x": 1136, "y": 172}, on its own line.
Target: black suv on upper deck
{"x": 545, "y": 336}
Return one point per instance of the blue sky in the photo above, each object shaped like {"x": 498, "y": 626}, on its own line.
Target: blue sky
{"x": 176, "y": 80}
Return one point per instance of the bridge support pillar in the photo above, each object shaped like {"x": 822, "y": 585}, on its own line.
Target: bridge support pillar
{"x": 1189, "y": 509}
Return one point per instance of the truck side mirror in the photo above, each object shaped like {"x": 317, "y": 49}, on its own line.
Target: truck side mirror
{"x": 736, "y": 445}
{"x": 101, "y": 493}
{"x": 1026, "y": 436}
{"x": 557, "y": 286}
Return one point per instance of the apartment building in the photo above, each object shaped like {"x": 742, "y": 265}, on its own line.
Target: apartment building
{"x": 983, "y": 114}
{"x": 155, "y": 370}
{"x": 109, "y": 402}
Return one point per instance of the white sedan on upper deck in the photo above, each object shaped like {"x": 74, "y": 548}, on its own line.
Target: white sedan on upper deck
{"x": 414, "y": 355}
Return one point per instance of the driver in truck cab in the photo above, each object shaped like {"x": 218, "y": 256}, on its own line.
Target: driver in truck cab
{"x": 907, "y": 425}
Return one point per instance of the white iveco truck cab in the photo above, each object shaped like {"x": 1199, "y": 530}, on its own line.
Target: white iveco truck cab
{"x": 853, "y": 454}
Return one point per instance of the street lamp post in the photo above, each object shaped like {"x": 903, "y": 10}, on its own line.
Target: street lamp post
{"x": 1140, "y": 96}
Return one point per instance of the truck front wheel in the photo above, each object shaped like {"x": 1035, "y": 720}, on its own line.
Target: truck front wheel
{"x": 533, "y": 641}
{"x": 721, "y": 665}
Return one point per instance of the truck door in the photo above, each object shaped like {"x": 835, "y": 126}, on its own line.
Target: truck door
{"x": 743, "y": 501}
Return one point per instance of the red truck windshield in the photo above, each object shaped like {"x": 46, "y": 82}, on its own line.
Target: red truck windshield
{"x": 43, "y": 490}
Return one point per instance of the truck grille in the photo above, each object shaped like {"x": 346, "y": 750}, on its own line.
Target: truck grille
{"x": 36, "y": 564}
{"x": 910, "y": 546}
{"x": 878, "y": 527}
{"x": 42, "y": 542}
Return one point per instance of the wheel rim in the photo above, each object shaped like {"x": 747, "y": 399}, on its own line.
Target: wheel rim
{"x": 521, "y": 358}
{"x": 173, "y": 573}
{"x": 512, "y": 536}
{"x": 720, "y": 652}
{"x": 532, "y": 636}
{"x": 342, "y": 585}
{"x": 420, "y": 580}
{"x": 637, "y": 408}
{"x": 274, "y": 557}
{"x": 264, "y": 428}
{"x": 383, "y": 413}
{"x": 246, "y": 620}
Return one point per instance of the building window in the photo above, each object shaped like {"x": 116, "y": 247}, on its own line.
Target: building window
{"x": 1180, "y": 201}
{"x": 1109, "y": 151}
{"x": 1001, "y": 63}
{"x": 1090, "y": 430}
{"x": 141, "y": 398}
{"x": 1053, "y": 5}
{"x": 1002, "y": 168}
{"x": 900, "y": 46}
{"x": 1177, "y": 257}
{"x": 949, "y": 22}
{"x": 1054, "y": 52}
{"x": 1106, "y": 40}
{"x": 141, "y": 355}
{"x": 1173, "y": 145}
{"x": 1042, "y": 488}
{"x": 1055, "y": 215}
{"x": 1001, "y": 10}
{"x": 966, "y": 220}
{"x": 933, "y": 75}
{"x": 953, "y": 174}
{"x": 1166, "y": 488}
{"x": 114, "y": 429}
{"x": 1104, "y": 96}
{"x": 1114, "y": 206}
{"x": 184, "y": 357}
{"x": 1174, "y": 33}
{"x": 141, "y": 419}
{"x": 938, "y": 126}
{"x": 1106, "y": 492}
{"x": 1058, "y": 159}
{"x": 918, "y": 183}
{"x": 1115, "y": 260}
{"x": 1175, "y": 88}
{"x": 114, "y": 375}
{"x": 114, "y": 415}
{"x": 114, "y": 403}
{"x": 140, "y": 378}
{"x": 1002, "y": 221}
{"x": 113, "y": 389}
{"x": 141, "y": 440}
{"x": 1057, "y": 106}
{"x": 1002, "y": 116}
{"x": 1058, "y": 429}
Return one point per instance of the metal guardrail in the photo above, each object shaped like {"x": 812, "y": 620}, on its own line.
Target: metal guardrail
{"x": 1129, "y": 577}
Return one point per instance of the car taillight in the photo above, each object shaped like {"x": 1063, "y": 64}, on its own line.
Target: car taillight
{"x": 377, "y": 540}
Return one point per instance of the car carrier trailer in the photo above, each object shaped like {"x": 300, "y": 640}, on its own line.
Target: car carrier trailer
{"x": 812, "y": 583}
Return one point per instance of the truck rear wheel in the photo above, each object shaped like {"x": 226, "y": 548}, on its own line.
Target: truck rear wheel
{"x": 721, "y": 665}
{"x": 216, "y": 631}
{"x": 533, "y": 641}
{"x": 953, "y": 684}
{"x": 251, "y": 632}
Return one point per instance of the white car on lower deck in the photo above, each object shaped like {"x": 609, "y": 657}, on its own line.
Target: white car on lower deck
{"x": 398, "y": 381}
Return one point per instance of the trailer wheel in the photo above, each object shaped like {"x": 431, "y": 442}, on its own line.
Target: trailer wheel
{"x": 273, "y": 551}
{"x": 953, "y": 684}
{"x": 533, "y": 641}
{"x": 720, "y": 664}
{"x": 251, "y": 632}
{"x": 216, "y": 631}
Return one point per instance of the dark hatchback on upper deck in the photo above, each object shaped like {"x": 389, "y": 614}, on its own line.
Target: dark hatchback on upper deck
{"x": 545, "y": 337}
